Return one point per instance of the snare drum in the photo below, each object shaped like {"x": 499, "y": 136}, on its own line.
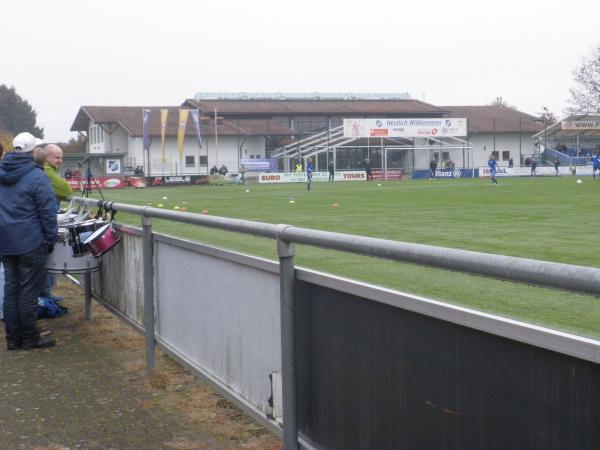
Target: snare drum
{"x": 62, "y": 260}
{"x": 79, "y": 232}
{"x": 102, "y": 240}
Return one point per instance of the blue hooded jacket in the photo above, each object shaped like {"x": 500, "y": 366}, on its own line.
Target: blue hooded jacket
{"x": 27, "y": 206}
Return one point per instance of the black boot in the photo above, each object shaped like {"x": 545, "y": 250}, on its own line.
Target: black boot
{"x": 42, "y": 342}
{"x": 13, "y": 345}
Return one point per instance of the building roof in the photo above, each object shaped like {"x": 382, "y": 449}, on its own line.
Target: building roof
{"x": 302, "y": 96}
{"x": 501, "y": 119}
{"x": 130, "y": 118}
{"x": 573, "y": 125}
{"x": 402, "y": 108}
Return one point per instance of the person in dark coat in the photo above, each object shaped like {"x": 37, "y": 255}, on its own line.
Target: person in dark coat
{"x": 432, "y": 168}
{"x": 28, "y": 231}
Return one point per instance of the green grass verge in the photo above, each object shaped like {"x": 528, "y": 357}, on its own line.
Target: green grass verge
{"x": 552, "y": 219}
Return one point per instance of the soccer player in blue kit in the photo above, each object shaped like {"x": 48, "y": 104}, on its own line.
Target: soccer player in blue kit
{"x": 596, "y": 164}
{"x": 309, "y": 173}
{"x": 492, "y": 167}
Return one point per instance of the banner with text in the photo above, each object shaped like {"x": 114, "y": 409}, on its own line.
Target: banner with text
{"x": 318, "y": 177}
{"x": 445, "y": 173}
{"x": 408, "y": 128}
{"x": 260, "y": 164}
{"x": 581, "y": 124}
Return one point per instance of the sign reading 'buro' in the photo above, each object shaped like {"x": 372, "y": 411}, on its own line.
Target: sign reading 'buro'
{"x": 318, "y": 177}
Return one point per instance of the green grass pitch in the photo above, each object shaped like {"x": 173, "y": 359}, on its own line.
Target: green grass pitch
{"x": 552, "y": 219}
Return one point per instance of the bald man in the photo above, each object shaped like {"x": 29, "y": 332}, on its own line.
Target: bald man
{"x": 51, "y": 156}
{"x": 54, "y": 161}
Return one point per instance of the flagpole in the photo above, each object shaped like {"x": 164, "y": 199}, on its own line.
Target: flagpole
{"x": 216, "y": 140}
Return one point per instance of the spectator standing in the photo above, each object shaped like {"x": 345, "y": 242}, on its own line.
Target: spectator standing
{"x": 1, "y": 266}
{"x": 243, "y": 171}
{"x": 556, "y": 167}
{"x": 368, "y": 170}
{"x": 51, "y": 159}
{"x": 432, "y": 168}
{"x": 68, "y": 174}
{"x": 533, "y": 166}
{"x": 298, "y": 167}
{"x": 331, "y": 169}
{"x": 28, "y": 231}
{"x": 510, "y": 163}
{"x": 53, "y": 162}
{"x": 223, "y": 170}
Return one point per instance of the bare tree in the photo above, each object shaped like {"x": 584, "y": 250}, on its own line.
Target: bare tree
{"x": 585, "y": 96}
{"x": 499, "y": 101}
{"x": 547, "y": 116}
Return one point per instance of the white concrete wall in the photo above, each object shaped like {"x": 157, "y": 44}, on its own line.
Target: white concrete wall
{"x": 483, "y": 145}
{"x": 255, "y": 146}
{"x": 135, "y": 153}
{"x": 119, "y": 141}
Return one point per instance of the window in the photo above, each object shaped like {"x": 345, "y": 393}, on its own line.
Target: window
{"x": 505, "y": 156}
{"x": 203, "y": 160}
{"x": 190, "y": 161}
{"x": 496, "y": 155}
{"x": 308, "y": 124}
{"x": 445, "y": 156}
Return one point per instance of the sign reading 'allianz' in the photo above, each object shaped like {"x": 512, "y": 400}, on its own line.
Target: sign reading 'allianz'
{"x": 408, "y": 128}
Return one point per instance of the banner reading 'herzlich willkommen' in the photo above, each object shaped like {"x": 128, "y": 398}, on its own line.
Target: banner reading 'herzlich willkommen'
{"x": 407, "y": 128}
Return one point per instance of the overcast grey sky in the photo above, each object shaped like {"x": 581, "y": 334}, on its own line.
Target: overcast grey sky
{"x": 61, "y": 54}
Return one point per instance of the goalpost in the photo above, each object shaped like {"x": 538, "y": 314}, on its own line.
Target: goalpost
{"x": 467, "y": 155}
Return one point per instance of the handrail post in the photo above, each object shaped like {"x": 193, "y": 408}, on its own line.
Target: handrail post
{"x": 148, "y": 279}
{"x": 286, "y": 252}
{"x": 87, "y": 280}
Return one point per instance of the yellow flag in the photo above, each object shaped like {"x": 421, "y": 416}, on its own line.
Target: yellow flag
{"x": 183, "y": 116}
{"x": 164, "y": 113}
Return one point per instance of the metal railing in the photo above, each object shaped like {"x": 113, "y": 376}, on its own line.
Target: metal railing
{"x": 549, "y": 274}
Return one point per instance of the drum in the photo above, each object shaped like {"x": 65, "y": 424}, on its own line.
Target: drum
{"x": 102, "y": 240}
{"x": 79, "y": 232}
{"x": 62, "y": 260}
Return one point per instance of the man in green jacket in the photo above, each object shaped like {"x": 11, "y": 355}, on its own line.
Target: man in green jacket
{"x": 54, "y": 161}
{"x": 53, "y": 156}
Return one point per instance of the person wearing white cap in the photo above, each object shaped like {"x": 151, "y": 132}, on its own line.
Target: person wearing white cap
{"x": 1, "y": 266}
{"x": 28, "y": 231}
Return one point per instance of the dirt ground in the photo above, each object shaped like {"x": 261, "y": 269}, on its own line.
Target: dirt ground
{"x": 170, "y": 384}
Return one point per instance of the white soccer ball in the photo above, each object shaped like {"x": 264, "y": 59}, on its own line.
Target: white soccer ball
{"x": 579, "y": 181}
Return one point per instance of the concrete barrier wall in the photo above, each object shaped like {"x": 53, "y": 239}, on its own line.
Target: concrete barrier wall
{"x": 377, "y": 376}
{"x": 220, "y": 313}
{"x": 376, "y": 368}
